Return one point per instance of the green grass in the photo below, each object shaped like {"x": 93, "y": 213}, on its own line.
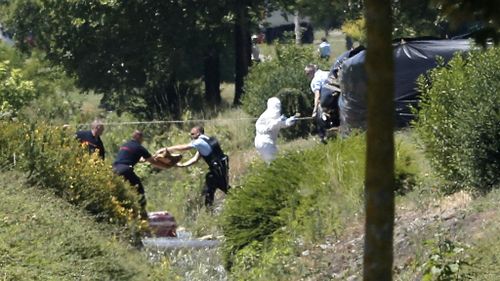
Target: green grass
{"x": 484, "y": 239}
{"x": 45, "y": 238}
{"x": 227, "y": 92}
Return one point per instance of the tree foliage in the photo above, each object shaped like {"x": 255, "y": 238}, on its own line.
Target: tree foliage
{"x": 485, "y": 12}
{"x": 143, "y": 55}
{"x": 330, "y": 14}
{"x": 39, "y": 89}
{"x": 416, "y": 18}
{"x": 15, "y": 90}
{"x": 355, "y": 29}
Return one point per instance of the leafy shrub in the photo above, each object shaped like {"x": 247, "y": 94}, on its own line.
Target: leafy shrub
{"x": 252, "y": 212}
{"x": 9, "y": 150}
{"x": 54, "y": 159}
{"x": 15, "y": 90}
{"x": 294, "y": 101}
{"x": 448, "y": 261}
{"x": 281, "y": 76}
{"x": 459, "y": 120}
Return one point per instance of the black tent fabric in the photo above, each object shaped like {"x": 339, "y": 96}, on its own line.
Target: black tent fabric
{"x": 344, "y": 56}
{"x": 411, "y": 59}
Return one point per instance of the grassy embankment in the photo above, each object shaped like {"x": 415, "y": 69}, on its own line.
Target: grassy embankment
{"x": 44, "y": 238}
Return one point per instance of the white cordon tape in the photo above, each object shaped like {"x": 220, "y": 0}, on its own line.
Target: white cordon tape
{"x": 181, "y": 121}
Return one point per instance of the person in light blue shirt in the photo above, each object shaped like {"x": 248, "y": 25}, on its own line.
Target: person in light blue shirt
{"x": 318, "y": 78}
{"x": 209, "y": 149}
{"x": 324, "y": 49}
{"x": 201, "y": 145}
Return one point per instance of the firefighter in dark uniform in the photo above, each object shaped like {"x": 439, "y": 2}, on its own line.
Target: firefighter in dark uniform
{"x": 92, "y": 138}
{"x": 130, "y": 154}
{"x": 209, "y": 149}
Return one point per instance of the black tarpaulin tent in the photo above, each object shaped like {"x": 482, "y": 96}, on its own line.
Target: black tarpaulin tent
{"x": 411, "y": 59}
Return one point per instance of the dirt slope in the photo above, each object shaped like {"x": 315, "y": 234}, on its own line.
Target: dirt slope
{"x": 453, "y": 216}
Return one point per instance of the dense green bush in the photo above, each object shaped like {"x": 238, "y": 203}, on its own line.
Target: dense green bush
{"x": 302, "y": 196}
{"x": 55, "y": 160}
{"x": 15, "y": 90}
{"x": 459, "y": 119}
{"x": 282, "y": 76}
{"x": 252, "y": 212}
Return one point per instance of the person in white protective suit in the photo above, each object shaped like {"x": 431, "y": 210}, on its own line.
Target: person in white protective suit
{"x": 267, "y": 128}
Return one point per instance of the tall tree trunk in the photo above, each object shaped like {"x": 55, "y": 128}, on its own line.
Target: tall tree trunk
{"x": 212, "y": 76}
{"x": 296, "y": 22}
{"x": 379, "y": 174}
{"x": 242, "y": 45}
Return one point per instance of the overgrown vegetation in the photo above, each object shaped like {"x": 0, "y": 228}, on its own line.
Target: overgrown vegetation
{"x": 45, "y": 238}
{"x": 15, "y": 90}
{"x": 53, "y": 159}
{"x": 447, "y": 261}
{"x": 34, "y": 89}
{"x": 272, "y": 214}
{"x": 290, "y": 203}
{"x": 459, "y": 119}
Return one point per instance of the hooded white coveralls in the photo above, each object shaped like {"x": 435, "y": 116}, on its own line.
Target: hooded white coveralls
{"x": 267, "y": 128}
